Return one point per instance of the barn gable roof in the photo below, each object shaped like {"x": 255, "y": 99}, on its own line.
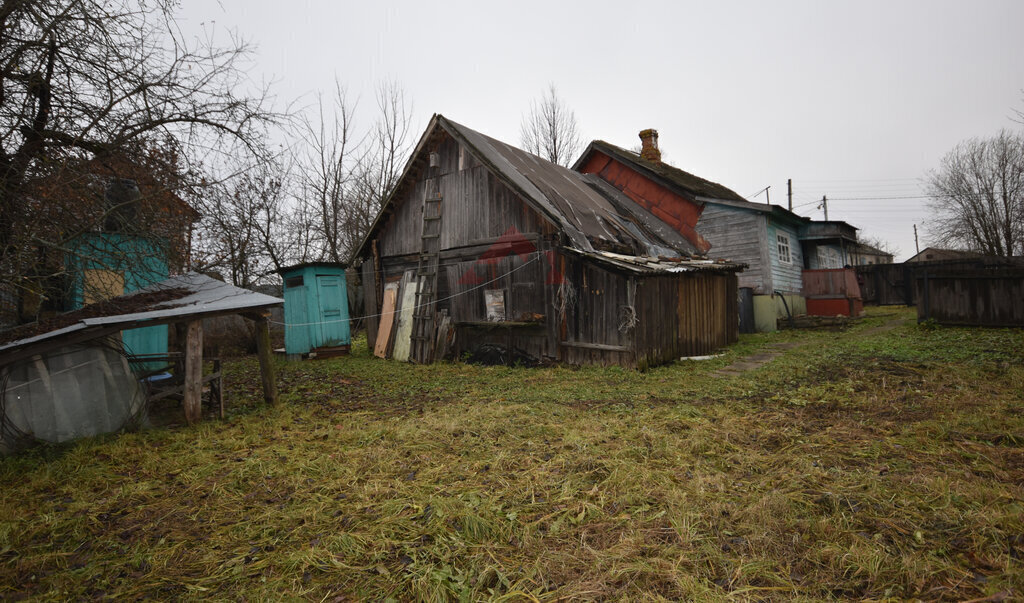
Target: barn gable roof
{"x": 592, "y": 216}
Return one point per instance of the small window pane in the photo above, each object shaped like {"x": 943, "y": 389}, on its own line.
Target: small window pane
{"x": 783, "y": 244}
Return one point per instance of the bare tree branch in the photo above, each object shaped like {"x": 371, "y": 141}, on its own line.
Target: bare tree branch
{"x": 83, "y": 81}
{"x": 550, "y": 130}
{"x": 978, "y": 196}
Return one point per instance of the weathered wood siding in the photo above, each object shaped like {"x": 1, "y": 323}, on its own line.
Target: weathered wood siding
{"x": 738, "y": 235}
{"x": 786, "y": 276}
{"x": 677, "y": 314}
{"x": 477, "y": 210}
{"x": 370, "y": 305}
{"x": 476, "y": 207}
{"x": 690, "y": 314}
{"x": 593, "y": 330}
{"x": 991, "y": 297}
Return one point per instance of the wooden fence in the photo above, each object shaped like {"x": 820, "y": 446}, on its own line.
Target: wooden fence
{"x": 894, "y": 284}
{"x": 989, "y": 297}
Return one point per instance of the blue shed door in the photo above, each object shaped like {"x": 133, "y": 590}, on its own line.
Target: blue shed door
{"x": 297, "y": 329}
{"x": 333, "y": 310}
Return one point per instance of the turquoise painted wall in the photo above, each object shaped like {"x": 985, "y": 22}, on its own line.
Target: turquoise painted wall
{"x": 315, "y": 308}
{"x": 786, "y": 277}
{"x": 142, "y": 261}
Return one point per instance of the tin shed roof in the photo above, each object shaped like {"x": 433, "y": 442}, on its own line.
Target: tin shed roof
{"x": 192, "y": 295}
{"x": 594, "y": 217}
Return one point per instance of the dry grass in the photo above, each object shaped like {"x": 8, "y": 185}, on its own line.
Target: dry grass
{"x": 860, "y": 465}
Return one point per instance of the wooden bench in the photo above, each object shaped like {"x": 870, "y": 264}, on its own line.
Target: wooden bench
{"x": 174, "y": 385}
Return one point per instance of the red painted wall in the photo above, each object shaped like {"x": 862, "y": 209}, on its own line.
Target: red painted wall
{"x": 675, "y": 210}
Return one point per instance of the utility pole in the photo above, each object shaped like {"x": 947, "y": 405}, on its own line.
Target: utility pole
{"x": 916, "y": 245}
{"x": 789, "y": 192}
{"x": 767, "y": 195}
{"x": 824, "y": 203}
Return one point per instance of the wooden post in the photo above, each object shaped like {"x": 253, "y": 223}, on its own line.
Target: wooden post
{"x": 264, "y": 352}
{"x": 194, "y": 372}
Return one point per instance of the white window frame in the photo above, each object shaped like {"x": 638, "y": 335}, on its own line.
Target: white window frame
{"x": 828, "y": 258}
{"x": 784, "y": 248}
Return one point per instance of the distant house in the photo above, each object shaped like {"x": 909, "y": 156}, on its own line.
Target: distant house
{"x": 866, "y": 255}
{"x": 486, "y": 249}
{"x": 111, "y": 227}
{"x": 935, "y": 254}
{"x": 117, "y": 234}
{"x": 775, "y": 244}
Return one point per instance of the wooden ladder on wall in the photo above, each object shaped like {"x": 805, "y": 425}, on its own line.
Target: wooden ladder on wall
{"x": 426, "y": 274}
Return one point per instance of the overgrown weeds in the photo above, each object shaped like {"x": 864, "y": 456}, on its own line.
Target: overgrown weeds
{"x": 861, "y": 465}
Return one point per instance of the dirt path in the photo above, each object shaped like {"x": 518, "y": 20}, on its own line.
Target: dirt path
{"x": 772, "y": 350}
{"x": 888, "y": 326}
{"x": 757, "y": 360}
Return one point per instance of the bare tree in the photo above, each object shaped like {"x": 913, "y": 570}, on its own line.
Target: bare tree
{"x": 550, "y": 130}
{"x": 978, "y": 196}
{"x": 248, "y": 229}
{"x": 346, "y": 176}
{"x": 381, "y": 166}
{"x": 327, "y": 174}
{"x": 86, "y": 81}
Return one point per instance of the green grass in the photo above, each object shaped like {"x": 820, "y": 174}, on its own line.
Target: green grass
{"x": 858, "y": 465}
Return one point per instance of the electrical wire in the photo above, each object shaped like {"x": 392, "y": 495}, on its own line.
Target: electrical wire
{"x": 414, "y": 308}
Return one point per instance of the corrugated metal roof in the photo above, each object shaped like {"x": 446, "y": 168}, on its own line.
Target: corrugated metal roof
{"x": 581, "y": 207}
{"x": 206, "y": 296}
{"x": 661, "y": 265}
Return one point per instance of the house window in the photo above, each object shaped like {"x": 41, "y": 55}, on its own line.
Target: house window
{"x": 828, "y": 258}
{"x": 783, "y": 242}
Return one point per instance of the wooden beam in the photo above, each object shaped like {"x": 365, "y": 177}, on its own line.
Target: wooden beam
{"x": 266, "y": 362}
{"x": 596, "y": 346}
{"x": 194, "y": 372}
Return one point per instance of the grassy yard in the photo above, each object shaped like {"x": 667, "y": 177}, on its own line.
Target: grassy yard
{"x": 858, "y": 464}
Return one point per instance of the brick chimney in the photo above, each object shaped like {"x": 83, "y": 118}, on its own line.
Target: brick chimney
{"x": 649, "y": 145}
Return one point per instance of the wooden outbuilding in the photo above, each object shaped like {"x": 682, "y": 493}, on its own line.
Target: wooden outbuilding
{"x": 484, "y": 247}
{"x": 316, "y": 315}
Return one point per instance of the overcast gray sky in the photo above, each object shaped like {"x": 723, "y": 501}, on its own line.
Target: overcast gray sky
{"x": 849, "y": 99}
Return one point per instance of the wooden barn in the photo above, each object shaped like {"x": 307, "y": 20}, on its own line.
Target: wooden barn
{"x": 485, "y": 247}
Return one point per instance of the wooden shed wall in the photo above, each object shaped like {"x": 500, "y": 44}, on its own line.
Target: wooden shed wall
{"x": 476, "y": 207}
{"x": 590, "y": 330}
{"x": 685, "y": 314}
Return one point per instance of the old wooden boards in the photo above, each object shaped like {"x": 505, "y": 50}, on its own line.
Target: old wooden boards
{"x": 193, "y": 371}
{"x": 403, "y": 331}
{"x": 387, "y": 320}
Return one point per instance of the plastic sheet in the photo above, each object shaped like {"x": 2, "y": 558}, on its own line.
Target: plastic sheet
{"x": 71, "y": 393}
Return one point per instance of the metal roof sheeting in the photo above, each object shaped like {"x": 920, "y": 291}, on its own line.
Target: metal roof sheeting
{"x": 583, "y": 208}
{"x": 206, "y": 296}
